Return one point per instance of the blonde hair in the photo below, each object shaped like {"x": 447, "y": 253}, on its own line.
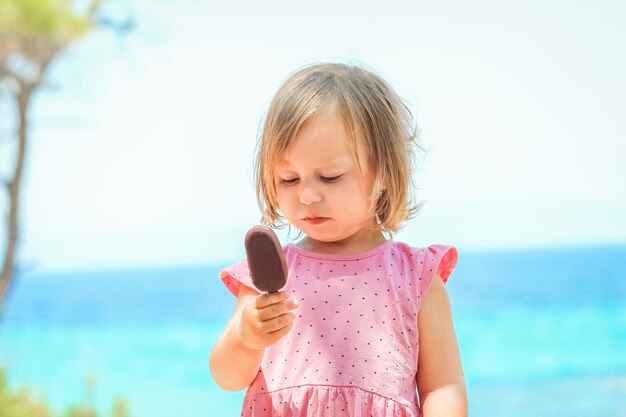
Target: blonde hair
{"x": 372, "y": 113}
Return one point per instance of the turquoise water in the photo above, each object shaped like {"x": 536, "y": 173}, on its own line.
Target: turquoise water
{"x": 541, "y": 333}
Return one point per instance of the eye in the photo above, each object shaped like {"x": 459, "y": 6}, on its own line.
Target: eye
{"x": 331, "y": 179}
{"x": 288, "y": 181}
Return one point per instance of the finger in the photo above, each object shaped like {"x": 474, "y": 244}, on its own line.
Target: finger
{"x": 270, "y": 298}
{"x": 277, "y": 323}
{"x": 279, "y": 334}
{"x": 275, "y": 310}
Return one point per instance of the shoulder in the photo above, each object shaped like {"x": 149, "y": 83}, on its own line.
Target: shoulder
{"x": 432, "y": 250}
{"x": 433, "y": 263}
{"x": 236, "y": 275}
{"x": 432, "y": 253}
{"x": 238, "y": 268}
{"x": 434, "y": 259}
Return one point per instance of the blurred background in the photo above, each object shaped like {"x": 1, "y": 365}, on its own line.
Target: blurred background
{"x": 136, "y": 188}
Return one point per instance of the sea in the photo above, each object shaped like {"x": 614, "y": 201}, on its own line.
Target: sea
{"x": 542, "y": 332}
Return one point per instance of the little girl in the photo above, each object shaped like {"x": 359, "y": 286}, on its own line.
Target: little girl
{"x": 364, "y": 323}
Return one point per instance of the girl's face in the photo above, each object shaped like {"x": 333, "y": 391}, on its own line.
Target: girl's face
{"x": 321, "y": 190}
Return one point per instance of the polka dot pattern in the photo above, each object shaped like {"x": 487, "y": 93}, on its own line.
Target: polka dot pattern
{"x": 355, "y": 335}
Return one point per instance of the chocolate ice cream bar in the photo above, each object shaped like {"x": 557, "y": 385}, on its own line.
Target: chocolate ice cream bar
{"x": 265, "y": 259}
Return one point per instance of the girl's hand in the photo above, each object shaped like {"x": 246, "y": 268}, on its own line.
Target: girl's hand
{"x": 267, "y": 320}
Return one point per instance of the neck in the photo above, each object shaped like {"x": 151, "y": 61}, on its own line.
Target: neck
{"x": 362, "y": 241}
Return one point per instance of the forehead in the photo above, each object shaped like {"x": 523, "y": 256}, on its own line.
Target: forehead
{"x": 323, "y": 141}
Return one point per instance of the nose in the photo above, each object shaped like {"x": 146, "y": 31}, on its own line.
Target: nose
{"x": 309, "y": 196}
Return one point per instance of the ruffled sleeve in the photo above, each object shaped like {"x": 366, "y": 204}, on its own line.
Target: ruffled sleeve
{"x": 438, "y": 259}
{"x": 236, "y": 275}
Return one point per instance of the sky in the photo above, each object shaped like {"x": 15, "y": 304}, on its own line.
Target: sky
{"x": 142, "y": 144}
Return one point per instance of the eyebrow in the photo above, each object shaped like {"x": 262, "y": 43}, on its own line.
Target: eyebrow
{"x": 284, "y": 164}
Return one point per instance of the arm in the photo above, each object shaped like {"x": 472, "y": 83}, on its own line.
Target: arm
{"x": 259, "y": 321}
{"x": 440, "y": 380}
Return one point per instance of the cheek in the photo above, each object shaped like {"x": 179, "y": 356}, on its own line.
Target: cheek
{"x": 280, "y": 199}
{"x": 284, "y": 199}
{"x": 353, "y": 199}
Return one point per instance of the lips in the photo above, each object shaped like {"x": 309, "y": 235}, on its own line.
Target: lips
{"x": 315, "y": 219}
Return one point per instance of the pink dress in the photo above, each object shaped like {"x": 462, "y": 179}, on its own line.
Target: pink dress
{"x": 353, "y": 348}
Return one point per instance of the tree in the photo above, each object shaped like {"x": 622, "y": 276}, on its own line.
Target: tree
{"x": 32, "y": 34}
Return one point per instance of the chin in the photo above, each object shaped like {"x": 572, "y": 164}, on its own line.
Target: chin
{"x": 328, "y": 237}
{"x": 319, "y": 236}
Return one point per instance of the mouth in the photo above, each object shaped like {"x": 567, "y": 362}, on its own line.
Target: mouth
{"x": 315, "y": 220}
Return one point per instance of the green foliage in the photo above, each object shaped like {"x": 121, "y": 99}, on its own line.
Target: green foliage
{"x": 56, "y": 19}
{"x": 22, "y": 403}
{"x": 120, "y": 409}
